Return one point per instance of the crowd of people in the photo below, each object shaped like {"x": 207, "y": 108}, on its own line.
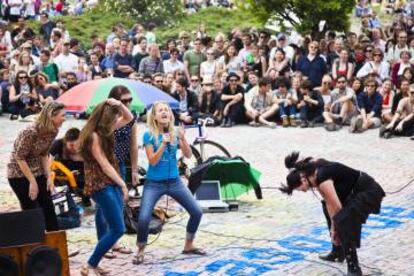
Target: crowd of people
{"x": 248, "y": 76}
{"x": 361, "y": 81}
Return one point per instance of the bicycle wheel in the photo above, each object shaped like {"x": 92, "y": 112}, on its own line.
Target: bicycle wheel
{"x": 209, "y": 149}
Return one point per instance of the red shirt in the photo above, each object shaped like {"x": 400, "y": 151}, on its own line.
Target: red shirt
{"x": 59, "y": 6}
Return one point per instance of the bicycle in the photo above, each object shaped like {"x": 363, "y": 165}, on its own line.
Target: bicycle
{"x": 201, "y": 148}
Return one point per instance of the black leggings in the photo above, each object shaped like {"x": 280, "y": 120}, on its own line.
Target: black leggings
{"x": 20, "y": 187}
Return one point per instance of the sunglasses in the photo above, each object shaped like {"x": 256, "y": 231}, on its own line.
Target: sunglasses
{"x": 207, "y": 84}
{"x": 22, "y": 77}
{"x": 126, "y": 101}
{"x": 194, "y": 80}
{"x": 158, "y": 81}
{"x": 368, "y": 50}
{"x": 377, "y": 55}
{"x": 402, "y": 37}
{"x": 210, "y": 54}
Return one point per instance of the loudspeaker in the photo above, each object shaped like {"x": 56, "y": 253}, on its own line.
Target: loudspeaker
{"x": 8, "y": 267}
{"x": 28, "y": 249}
{"x": 23, "y": 227}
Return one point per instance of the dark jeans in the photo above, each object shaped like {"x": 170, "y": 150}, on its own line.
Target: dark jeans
{"x": 235, "y": 112}
{"x": 19, "y": 109}
{"x": 287, "y": 110}
{"x": 177, "y": 190}
{"x": 109, "y": 221}
{"x": 308, "y": 113}
{"x": 407, "y": 130}
{"x": 20, "y": 187}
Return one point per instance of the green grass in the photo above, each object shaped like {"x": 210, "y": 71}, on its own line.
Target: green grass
{"x": 215, "y": 19}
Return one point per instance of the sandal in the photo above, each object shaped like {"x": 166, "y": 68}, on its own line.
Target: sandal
{"x": 103, "y": 271}
{"x": 86, "y": 271}
{"x": 138, "y": 259}
{"x": 110, "y": 254}
{"x": 194, "y": 251}
{"x": 122, "y": 250}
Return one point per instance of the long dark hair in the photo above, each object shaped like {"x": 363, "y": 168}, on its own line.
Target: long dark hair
{"x": 306, "y": 166}
{"x": 100, "y": 121}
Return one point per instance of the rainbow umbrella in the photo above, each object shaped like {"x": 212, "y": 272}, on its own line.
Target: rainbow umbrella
{"x": 85, "y": 96}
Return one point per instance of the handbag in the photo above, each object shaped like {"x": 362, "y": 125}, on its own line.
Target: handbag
{"x": 68, "y": 213}
{"x": 131, "y": 215}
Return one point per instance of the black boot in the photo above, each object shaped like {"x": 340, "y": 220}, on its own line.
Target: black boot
{"x": 336, "y": 255}
{"x": 352, "y": 261}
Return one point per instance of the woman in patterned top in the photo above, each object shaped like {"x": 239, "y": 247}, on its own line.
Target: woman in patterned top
{"x": 126, "y": 151}
{"x": 102, "y": 180}
{"x": 28, "y": 169}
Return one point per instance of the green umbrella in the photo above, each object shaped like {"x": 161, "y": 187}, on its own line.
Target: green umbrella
{"x": 236, "y": 178}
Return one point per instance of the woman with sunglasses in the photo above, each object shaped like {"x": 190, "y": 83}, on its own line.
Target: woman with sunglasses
{"x": 126, "y": 151}
{"x": 209, "y": 68}
{"x": 22, "y": 97}
{"x": 349, "y": 197}
{"x": 28, "y": 169}
{"x": 377, "y": 68}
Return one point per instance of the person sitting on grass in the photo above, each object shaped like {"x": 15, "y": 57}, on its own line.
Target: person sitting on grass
{"x": 260, "y": 104}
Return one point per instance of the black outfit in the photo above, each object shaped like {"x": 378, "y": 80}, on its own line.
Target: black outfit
{"x": 236, "y": 111}
{"x": 5, "y": 85}
{"x": 397, "y": 98}
{"x": 56, "y": 150}
{"x": 360, "y": 196}
{"x": 407, "y": 129}
{"x": 20, "y": 187}
{"x": 46, "y": 29}
{"x": 310, "y": 112}
{"x": 207, "y": 109}
{"x": 192, "y": 106}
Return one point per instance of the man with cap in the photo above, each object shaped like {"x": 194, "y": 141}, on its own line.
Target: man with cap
{"x": 66, "y": 61}
{"x": 281, "y": 43}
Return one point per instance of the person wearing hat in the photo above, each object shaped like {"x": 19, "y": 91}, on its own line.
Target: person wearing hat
{"x": 66, "y": 61}
{"x": 209, "y": 101}
{"x": 232, "y": 100}
{"x": 281, "y": 43}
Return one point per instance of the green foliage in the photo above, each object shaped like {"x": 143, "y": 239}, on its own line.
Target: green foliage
{"x": 100, "y": 22}
{"x": 92, "y": 22}
{"x": 160, "y": 12}
{"x": 215, "y": 19}
{"x": 304, "y": 15}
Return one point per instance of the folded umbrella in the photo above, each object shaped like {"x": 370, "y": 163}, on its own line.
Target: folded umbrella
{"x": 236, "y": 176}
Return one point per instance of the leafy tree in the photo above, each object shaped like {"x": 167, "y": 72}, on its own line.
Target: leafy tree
{"x": 304, "y": 15}
{"x": 160, "y": 12}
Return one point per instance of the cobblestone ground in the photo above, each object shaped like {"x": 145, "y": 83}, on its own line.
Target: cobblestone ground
{"x": 277, "y": 235}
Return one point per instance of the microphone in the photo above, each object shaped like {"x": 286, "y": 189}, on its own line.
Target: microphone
{"x": 166, "y": 130}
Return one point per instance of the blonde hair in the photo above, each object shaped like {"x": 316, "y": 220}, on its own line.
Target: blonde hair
{"x": 44, "y": 120}
{"x": 153, "y": 125}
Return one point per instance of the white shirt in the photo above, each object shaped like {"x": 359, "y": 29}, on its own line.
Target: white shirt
{"x": 16, "y": 9}
{"x": 171, "y": 67}
{"x": 67, "y": 63}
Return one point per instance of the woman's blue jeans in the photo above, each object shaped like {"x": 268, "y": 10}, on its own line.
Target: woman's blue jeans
{"x": 175, "y": 188}
{"x": 109, "y": 220}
